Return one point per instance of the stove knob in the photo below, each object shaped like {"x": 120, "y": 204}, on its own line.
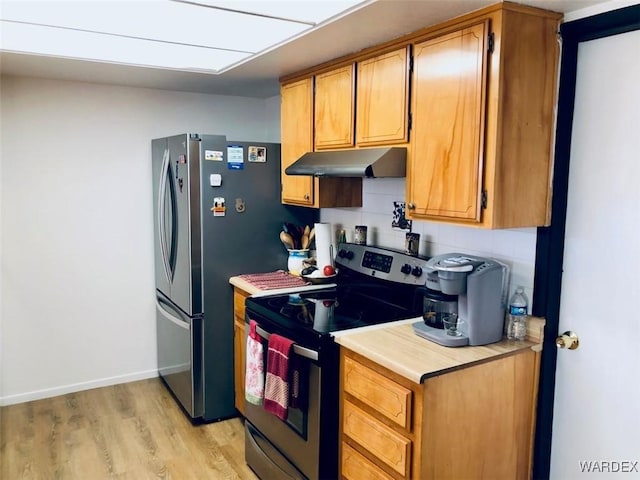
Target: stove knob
{"x": 406, "y": 269}
{"x": 417, "y": 271}
{"x": 348, "y": 254}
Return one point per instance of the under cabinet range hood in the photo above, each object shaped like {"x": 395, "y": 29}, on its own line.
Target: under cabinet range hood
{"x": 363, "y": 162}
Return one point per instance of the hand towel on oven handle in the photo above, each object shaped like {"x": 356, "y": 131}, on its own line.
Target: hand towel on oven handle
{"x": 276, "y": 392}
{"x": 254, "y": 372}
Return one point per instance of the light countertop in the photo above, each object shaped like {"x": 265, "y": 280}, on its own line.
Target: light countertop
{"x": 395, "y": 346}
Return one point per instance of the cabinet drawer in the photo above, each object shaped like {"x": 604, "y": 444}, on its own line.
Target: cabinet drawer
{"x": 356, "y": 467}
{"x": 377, "y": 391}
{"x": 239, "y": 297}
{"x": 390, "y": 447}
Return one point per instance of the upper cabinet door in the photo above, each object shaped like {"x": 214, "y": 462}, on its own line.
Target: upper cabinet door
{"x": 334, "y": 108}
{"x": 297, "y": 139}
{"x": 383, "y": 99}
{"x": 446, "y": 161}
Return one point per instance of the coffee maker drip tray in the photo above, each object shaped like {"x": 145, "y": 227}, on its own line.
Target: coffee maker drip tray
{"x": 439, "y": 335}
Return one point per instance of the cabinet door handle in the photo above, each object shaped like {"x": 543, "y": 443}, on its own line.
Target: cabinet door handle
{"x": 306, "y": 196}
{"x": 568, "y": 340}
{"x": 411, "y": 206}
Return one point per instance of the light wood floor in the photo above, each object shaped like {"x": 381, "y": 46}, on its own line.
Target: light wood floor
{"x": 130, "y": 431}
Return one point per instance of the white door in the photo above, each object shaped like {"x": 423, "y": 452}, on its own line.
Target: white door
{"x": 596, "y": 424}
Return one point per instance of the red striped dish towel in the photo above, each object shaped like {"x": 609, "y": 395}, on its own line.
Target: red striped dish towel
{"x": 276, "y": 391}
{"x": 254, "y": 372}
{"x": 271, "y": 280}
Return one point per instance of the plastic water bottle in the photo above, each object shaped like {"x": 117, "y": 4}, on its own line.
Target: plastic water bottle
{"x": 517, "y": 317}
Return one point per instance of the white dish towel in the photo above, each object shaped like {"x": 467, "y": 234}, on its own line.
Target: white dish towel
{"x": 254, "y": 372}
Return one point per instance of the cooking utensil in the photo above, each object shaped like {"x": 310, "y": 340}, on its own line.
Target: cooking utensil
{"x": 293, "y": 230}
{"x": 312, "y": 235}
{"x": 305, "y": 241}
{"x": 287, "y": 240}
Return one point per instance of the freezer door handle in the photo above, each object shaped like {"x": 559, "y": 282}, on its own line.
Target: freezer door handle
{"x": 173, "y": 319}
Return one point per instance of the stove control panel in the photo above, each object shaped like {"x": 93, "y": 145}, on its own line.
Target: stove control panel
{"x": 383, "y": 263}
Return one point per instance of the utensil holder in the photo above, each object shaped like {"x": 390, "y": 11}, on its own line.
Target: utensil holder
{"x": 294, "y": 262}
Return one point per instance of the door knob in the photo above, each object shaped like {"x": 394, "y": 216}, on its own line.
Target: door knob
{"x": 568, "y": 340}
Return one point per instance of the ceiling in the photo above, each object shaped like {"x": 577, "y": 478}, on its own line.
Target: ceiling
{"x": 256, "y": 69}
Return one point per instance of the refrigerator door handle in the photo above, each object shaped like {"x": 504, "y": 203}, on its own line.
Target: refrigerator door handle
{"x": 173, "y": 319}
{"x": 162, "y": 190}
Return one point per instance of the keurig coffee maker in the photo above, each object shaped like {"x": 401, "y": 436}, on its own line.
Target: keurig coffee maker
{"x": 479, "y": 284}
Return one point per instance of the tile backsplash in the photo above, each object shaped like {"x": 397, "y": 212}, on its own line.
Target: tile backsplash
{"x": 514, "y": 247}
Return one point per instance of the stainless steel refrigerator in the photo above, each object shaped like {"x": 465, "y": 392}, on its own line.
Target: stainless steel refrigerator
{"x": 217, "y": 213}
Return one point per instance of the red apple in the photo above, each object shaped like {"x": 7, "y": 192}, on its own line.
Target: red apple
{"x": 328, "y": 270}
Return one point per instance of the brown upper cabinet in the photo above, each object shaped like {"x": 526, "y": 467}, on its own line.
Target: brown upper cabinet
{"x": 449, "y": 109}
{"x": 484, "y": 91}
{"x": 297, "y": 139}
{"x": 367, "y": 101}
{"x": 382, "y": 99}
{"x": 475, "y": 107}
{"x": 334, "y": 108}
{"x": 296, "y": 130}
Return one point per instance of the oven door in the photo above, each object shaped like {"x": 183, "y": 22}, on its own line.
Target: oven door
{"x": 291, "y": 448}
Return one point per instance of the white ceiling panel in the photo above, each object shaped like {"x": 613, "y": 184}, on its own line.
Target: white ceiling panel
{"x": 308, "y": 11}
{"x": 157, "y": 20}
{"x": 63, "y": 43}
{"x": 177, "y": 26}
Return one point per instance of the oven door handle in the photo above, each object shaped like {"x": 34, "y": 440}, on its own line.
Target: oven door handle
{"x": 297, "y": 349}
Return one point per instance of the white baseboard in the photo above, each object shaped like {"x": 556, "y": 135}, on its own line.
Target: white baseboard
{"x": 76, "y": 387}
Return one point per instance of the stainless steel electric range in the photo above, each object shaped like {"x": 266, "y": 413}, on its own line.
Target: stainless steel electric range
{"x": 374, "y": 285}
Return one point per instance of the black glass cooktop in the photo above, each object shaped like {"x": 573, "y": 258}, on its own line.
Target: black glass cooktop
{"x": 374, "y": 285}
{"x": 321, "y": 312}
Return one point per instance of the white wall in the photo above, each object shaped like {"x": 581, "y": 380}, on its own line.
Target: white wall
{"x": 516, "y": 247}
{"x": 77, "y": 280}
{"x": 273, "y": 114}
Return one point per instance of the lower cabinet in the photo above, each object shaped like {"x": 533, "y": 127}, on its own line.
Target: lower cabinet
{"x": 357, "y": 467}
{"x": 239, "y": 346}
{"x": 476, "y": 422}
